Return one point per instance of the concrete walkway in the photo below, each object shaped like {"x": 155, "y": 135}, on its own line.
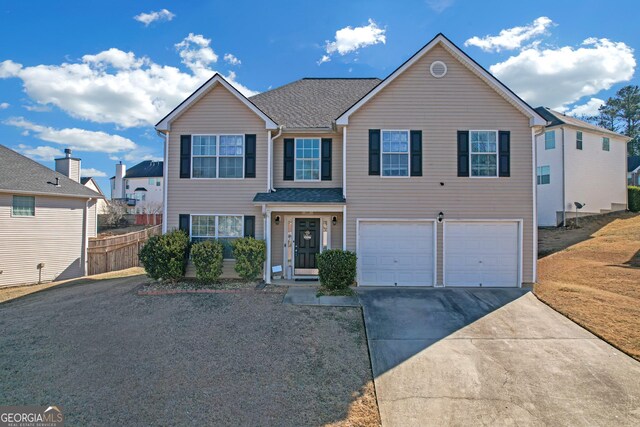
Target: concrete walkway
{"x": 491, "y": 357}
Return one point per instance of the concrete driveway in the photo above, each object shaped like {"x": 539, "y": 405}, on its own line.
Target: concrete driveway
{"x": 492, "y": 357}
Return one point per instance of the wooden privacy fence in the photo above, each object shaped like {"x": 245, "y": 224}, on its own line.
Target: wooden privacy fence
{"x": 117, "y": 252}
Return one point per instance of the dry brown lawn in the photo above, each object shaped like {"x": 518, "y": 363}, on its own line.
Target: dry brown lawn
{"x": 594, "y": 277}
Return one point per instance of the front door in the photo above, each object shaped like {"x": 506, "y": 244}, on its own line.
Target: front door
{"x": 307, "y": 246}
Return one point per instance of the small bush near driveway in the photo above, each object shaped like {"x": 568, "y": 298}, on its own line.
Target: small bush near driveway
{"x": 207, "y": 258}
{"x": 250, "y": 255}
{"x": 337, "y": 269}
{"x": 634, "y": 199}
{"x": 165, "y": 257}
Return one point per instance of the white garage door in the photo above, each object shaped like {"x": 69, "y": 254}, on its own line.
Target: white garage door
{"x": 481, "y": 254}
{"x": 396, "y": 253}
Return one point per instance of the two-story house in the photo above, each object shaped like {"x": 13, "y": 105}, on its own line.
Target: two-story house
{"x": 141, "y": 186}
{"x": 428, "y": 175}
{"x": 581, "y": 163}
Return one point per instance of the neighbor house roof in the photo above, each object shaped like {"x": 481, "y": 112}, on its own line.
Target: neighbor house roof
{"x": 301, "y": 195}
{"x": 145, "y": 169}
{"x": 555, "y": 118}
{"x": 313, "y": 102}
{"x": 633, "y": 163}
{"x": 20, "y": 174}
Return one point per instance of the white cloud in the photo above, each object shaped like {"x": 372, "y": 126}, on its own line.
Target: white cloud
{"x": 77, "y": 139}
{"x": 555, "y": 77}
{"x": 589, "y": 108}
{"x": 511, "y": 38}
{"x": 38, "y": 108}
{"x": 231, "y": 59}
{"x": 160, "y": 15}
{"x": 118, "y": 87}
{"x": 92, "y": 172}
{"x": 439, "y": 5}
{"x": 4, "y": 106}
{"x": 41, "y": 153}
{"x": 351, "y": 39}
{"x": 137, "y": 155}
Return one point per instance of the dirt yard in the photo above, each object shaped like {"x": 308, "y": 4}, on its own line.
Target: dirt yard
{"x": 593, "y": 277}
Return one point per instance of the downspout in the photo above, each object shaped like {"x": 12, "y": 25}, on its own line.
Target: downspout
{"x": 564, "y": 206}
{"x": 85, "y": 235}
{"x": 165, "y": 182}
{"x": 344, "y": 162}
{"x": 270, "y": 160}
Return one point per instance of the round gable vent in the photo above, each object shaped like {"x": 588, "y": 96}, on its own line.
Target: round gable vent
{"x": 438, "y": 69}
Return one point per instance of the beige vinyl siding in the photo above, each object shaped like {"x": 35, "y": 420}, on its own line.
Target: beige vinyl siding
{"x": 336, "y": 163}
{"x": 217, "y": 112}
{"x": 440, "y": 107}
{"x": 92, "y": 223}
{"x": 53, "y": 237}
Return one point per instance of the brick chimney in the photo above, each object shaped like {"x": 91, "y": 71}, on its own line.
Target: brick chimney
{"x": 69, "y": 166}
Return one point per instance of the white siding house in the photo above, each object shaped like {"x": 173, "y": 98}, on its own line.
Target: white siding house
{"x": 142, "y": 186}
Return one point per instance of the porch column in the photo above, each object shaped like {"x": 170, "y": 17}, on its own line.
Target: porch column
{"x": 267, "y": 236}
{"x": 344, "y": 228}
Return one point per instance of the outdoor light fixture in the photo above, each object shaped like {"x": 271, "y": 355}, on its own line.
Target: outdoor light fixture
{"x": 440, "y": 217}
{"x": 334, "y": 220}
{"x": 277, "y": 219}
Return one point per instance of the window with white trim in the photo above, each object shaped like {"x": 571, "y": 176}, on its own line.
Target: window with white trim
{"x": 217, "y": 156}
{"x": 484, "y": 153}
{"x": 307, "y": 160}
{"x": 224, "y": 228}
{"x": 578, "y": 140}
{"x": 550, "y": 140}
{"x": 23, "y": 206}
{"x": 395, "y": 153}
{"x": 544, "y": 175}
{"x": 605, "y": 144}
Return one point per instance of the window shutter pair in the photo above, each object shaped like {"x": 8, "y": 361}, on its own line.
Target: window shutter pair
{"x": 184, "y": 224}
{"x": 415, "y": 152}
{"x": 504, "y": 153}
{"x": 289, "y": 159}
{"x": 249, "y": 156}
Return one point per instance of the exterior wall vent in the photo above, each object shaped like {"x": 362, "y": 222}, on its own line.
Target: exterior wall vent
{"x": 438, "y": 69}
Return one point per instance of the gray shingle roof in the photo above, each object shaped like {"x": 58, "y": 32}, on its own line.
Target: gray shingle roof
{"x": 312, "y": 102}
{"x": 633, "y": 163}
{"x": 145, "y": 169}
{"x": 21, "y": 174}
{"x": 556, "y": 118}
{"x": 301, "y": 195}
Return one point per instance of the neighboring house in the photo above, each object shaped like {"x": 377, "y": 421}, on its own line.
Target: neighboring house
{"x": 91, "y": 184}
{"x": 141, "y": 186}
{"x": 428, "y": 175}
{"x": 578, "y": 162}
{"x": 633, "y": 170}
{"x": 46, "y": 219}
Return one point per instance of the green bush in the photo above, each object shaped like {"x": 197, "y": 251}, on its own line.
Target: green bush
{"x": 634, "y": 199}
{"x": 165, "y": 257}
{"x": 207, "y": 258}
{"x": 337, "y": 269}
{"x": 250, "y": 255}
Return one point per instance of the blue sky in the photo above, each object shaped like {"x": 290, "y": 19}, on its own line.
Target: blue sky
{"x": 86, "y": 74}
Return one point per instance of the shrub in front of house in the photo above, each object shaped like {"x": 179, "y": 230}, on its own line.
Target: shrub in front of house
{"x": 207, "y": 259}
{"x": 634, "y": 199}
{"x": 337, "y": 269}
{"x": 250, "y": 255}
{"x": 165, "y": 257}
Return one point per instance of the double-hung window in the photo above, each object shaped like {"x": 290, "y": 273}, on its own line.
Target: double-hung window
{"x": 605, "y": 144}
{"x": 550, "y": 140}
{"x": 23, "y": 206}
{"x": 578, "y": 140}
{"x": 395, "y": 153}
{"x": 484, "y": 153}
{"x": 544, "y": 175}
{"x": 307, "y": 159}
{"x": 217, "y": 156}
{"x": 224, "y": 228}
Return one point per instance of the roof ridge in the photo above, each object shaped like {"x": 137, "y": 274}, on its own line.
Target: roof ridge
{"x": 340, "y": 78}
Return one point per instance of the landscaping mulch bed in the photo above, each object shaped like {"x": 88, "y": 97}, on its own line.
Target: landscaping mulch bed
{"x": 223, "y": 286}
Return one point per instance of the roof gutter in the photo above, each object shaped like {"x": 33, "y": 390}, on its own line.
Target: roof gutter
{"x": 39, "y": 193}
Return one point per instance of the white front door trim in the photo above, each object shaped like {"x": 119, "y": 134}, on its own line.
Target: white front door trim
{"x": 288, "y": 271}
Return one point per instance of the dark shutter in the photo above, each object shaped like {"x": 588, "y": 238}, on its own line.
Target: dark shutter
{"x": 249, "y": 226}
{"x": 374, "y": 151}
{"x": 416, "y": 153}
{"x": 250, "y": 156}
{"x": 184, "y": 223}
{"x": 185, "y": 156}
{"x": 463, "y": 153}
{"x": 326, "y": 159}
{"x": 289, "y": 155}
{"x": 504, "y": 165}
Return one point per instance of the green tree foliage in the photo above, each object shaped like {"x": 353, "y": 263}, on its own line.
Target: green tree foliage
{"x": 621, "y": 113}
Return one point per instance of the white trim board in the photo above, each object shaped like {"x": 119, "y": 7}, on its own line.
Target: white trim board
{"x": 285, "y": 261}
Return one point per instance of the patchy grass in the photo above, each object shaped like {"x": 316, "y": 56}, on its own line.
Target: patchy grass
{"x": 348, "y": 292}
{"x": 595, "y": 281}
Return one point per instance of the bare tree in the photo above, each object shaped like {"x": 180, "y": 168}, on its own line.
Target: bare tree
{"x": 115, "y": 213}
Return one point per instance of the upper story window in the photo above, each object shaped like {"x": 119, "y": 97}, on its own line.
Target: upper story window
{"x": 155, "y": 181}
{"x": 217, "y": 156}
{"x": 578, "y": 140}
{"x": 549, "y": 140}
{"x": 395, "y": 153}
{"x": 23, "y": 206}
{"x": 126, "y": 184}
{"x": 544, "y": 175}
{"x": 605, "y": 144}
{"x": 484, "y": 153}
{"x": 307, "y": 159}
